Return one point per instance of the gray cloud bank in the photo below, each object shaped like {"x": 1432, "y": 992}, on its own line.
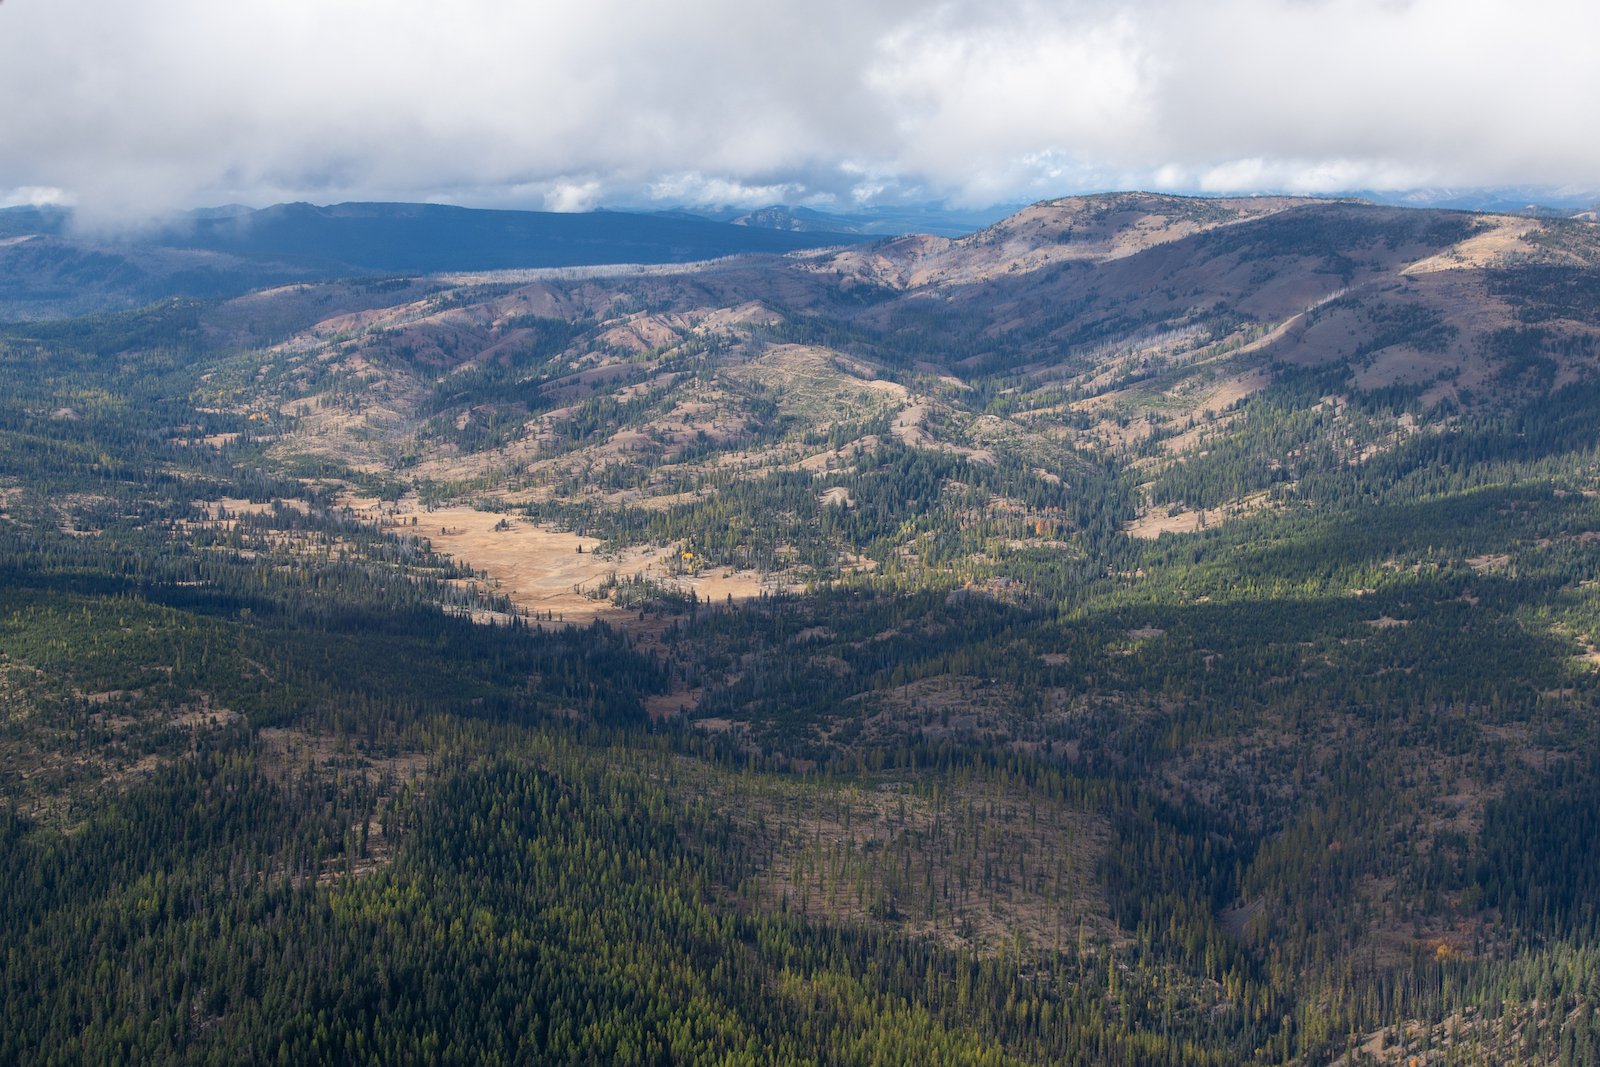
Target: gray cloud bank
{"x": 130, "y": 108}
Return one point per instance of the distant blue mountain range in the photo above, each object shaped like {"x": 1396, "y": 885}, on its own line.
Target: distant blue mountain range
{"x": 48, "y": 267}
{"x": 428, "y": 238}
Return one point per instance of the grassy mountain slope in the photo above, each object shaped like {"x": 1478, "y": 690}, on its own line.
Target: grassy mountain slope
{"x": 1148, "y": 631}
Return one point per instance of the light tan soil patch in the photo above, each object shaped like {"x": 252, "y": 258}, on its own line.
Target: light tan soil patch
{"x": 1505, "y": 236}
{"x": 199, "y": 714}
{"x": 676, "y": 703}
{"x": 909, "y": 429}
{"x": 816, "y": 383}
{"x": 1194, "y": 437}
{"x": 1477, "y": 1034}
{"x": 838, "y": 496}
{"x": 233, "y": 507}
{"x": 1230, "y": 391}
{"x": 1154, "y": 523}
{"x": 555, "y": 574}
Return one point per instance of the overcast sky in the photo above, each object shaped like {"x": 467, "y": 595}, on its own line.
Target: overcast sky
{"x": 134, "y": 107}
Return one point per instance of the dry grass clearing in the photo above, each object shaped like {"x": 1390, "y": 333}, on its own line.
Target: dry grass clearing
{"x": 555, "y": 573}
{"x": 1504, "y": 236}
{"x": 1158, "y": 521}
{"x": 910, "y": 429}
{"x": 228, "y": 507}
{"x": 815, "y": 382}
{"x": 1468, "y": 1036}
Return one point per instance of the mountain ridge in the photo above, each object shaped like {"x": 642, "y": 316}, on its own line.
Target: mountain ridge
{"x": 1149, "y": 631}
{"x": 1149, "y": 315}
{"x": 46, "y": 268}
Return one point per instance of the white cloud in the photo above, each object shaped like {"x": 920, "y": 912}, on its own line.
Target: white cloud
{"x": 134, "y": 107}
{"x": 1015, "y": 93}
{"x": 696, "y": 188}
{"x": 573, "y": 196}
{"x": 35, "y": 196}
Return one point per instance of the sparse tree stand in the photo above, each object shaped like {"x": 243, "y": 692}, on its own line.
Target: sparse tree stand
{"x": 1315, "y": 777}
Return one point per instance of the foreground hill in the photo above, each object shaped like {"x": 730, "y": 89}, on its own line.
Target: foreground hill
{"x": 1148, "y": 630}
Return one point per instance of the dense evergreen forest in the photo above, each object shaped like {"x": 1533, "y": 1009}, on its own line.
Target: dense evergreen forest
{"x": 984, "y": 778}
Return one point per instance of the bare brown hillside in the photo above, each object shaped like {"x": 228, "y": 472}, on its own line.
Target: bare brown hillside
{"x": 1130, "y": 326}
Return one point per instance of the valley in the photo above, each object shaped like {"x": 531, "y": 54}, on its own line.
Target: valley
{"x": 1146, "y": 630}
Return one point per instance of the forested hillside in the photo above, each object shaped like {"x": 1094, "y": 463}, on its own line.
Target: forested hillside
{"x": 1146, "y": 631}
